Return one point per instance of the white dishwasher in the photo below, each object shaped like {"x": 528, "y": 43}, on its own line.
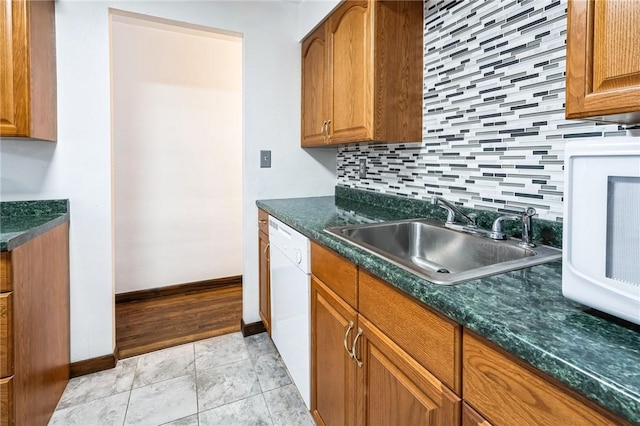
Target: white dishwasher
{"x": 290, "y": 301}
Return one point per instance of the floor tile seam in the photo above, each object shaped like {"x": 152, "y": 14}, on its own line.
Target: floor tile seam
{"x": 238, "y": 400}
{"x": 126, "y": 410}
{"x": 222, "y": 365}
{"x": 92, "y": 399}
{"x": 192, "y": 373}
{"x": 271, "y": 416}
{"x": 195, "y": 380}
{"x": 72, "y": 407}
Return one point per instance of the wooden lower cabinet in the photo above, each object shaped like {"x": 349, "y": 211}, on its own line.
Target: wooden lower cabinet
{"x": 264, "y": 281}
{"x": 34, "y": 328}
{"x": 507, "y": 392}
{"x": 6, "y": 334}
{"x": 470, "y": 417}
{"x": 6, "y": 401}
{"x": 379, "y": 357}
{"x": 396, "y": 389}
{"x": 333, "y": 371}
{"x": 359, "y": 376}
{"x": 264, "y": 266}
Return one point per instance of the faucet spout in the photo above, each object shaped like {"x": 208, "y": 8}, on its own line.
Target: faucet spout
{"x": 452, "y": 210}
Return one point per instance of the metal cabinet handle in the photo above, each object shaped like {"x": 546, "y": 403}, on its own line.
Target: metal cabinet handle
{"x": 327, "y": 130}
{"x": 263, "y": 221}
{"x": 353, "y": 347}
{"x": 346, "y": 336}
{"x": 266, "y": 251}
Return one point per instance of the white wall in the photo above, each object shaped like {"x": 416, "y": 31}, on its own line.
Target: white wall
{"x": 78, "y": 167}
{"x": 177, "y": 136}
{"x": 311, "y": 12}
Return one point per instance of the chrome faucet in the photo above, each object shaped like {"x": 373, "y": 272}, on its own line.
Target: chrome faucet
{"x": 525, "y": 217}
{"x": 496, "y": 232}
{"x": 453, "y": 210}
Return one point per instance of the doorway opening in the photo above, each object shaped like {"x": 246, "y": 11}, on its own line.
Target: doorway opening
{"x": 177, "y": 180}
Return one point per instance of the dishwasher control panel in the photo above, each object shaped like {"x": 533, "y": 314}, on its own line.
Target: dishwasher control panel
{"x": 291, "y": 243}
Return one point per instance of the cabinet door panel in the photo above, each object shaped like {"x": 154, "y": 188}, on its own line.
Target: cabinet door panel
{"x": 333, "y": 372}
{"x": 6, "y": 402}
{"x": 603, "y": 60}
{"x": 616, "y": 52}
{"x": 314, "y": 96}
{"x": 6, "y": 334}
{"x": 350, "y": 73}
{"x": 264, "y": 284}
{"x": 471, "y": 418}
{"x": 398, "y": 390}
{"x": 5, "y": 271}
{"x": 13, "y": 72}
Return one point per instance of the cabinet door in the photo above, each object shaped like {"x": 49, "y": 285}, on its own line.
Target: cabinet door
{"x": 6, "y": 334}
{"x": 13, "y": 73}
{"x": 6, "y": 402}
{"x": 28, "y": 69}
{"x": 603, "y": 60}
{"x": 397, "y": 390}
{"x": 350, "y": 74}
{"x": 470, "y": 417}
{"x": 265, "y": 285}
{"x": 314, "y": 96}
{"x": 333, "y": 371}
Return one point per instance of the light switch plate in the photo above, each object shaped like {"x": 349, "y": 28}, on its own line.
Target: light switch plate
{"x": 265, "y": 159}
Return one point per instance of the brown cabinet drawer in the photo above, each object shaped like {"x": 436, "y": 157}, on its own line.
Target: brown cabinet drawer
{"x": 263, "y": 221}
{"x": 505, "y": 391}
{"x": 6, "y": 401}
{"x": 6, "y": 334}
{"x": 430, "y": 338}
{"x": 336, "y": 273}
{"x": 5, "y": 271}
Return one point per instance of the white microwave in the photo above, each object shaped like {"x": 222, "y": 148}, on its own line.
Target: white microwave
{"x": 601, "y": 226}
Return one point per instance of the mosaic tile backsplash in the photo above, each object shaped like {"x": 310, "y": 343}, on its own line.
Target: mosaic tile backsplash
{"x": 493, "y": 128}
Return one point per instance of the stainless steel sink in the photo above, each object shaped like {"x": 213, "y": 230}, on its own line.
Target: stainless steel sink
{"x": 441, "y": 255}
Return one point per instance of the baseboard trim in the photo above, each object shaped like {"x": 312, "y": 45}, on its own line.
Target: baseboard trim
{"x": 251, "y": 328}
{"x": 93, "y": 365}
{"x": 172, "y": 290}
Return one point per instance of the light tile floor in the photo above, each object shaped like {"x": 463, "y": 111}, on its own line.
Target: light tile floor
{"x": 227, "y": 380}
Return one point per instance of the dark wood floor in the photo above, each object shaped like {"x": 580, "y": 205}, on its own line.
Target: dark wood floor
{"x": 160, "y": 322}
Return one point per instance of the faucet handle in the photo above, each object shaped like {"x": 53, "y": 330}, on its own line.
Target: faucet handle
{"x": 530, "y": 212}
{"x": 496, "y": 229}
{"x": 474, "y": 218}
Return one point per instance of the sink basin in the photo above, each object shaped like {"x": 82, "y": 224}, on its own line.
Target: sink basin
{"x": 441, "y": 255}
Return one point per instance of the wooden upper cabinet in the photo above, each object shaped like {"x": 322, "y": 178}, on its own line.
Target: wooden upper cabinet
{"x": 367, "y": 58}
{"x": 603, "y": 60}
{"x": 350, "y": 73}
{"x": 314, "y": 98}
{"x": 28, "y": 70}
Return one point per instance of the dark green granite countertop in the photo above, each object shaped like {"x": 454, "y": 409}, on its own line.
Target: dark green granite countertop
{"x": 523, "y": 311}
{"x": 21, "y": 221}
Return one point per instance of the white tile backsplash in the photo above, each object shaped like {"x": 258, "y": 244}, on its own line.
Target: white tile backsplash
{"x": 493, "y": 126}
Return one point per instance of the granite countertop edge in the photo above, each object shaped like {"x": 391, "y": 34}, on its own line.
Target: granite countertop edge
{"x": 30, "y": 219}
{"x": 611, "y": 395}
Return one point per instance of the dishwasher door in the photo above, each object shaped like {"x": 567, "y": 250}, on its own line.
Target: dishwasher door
{"x": 290, "y": 302}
